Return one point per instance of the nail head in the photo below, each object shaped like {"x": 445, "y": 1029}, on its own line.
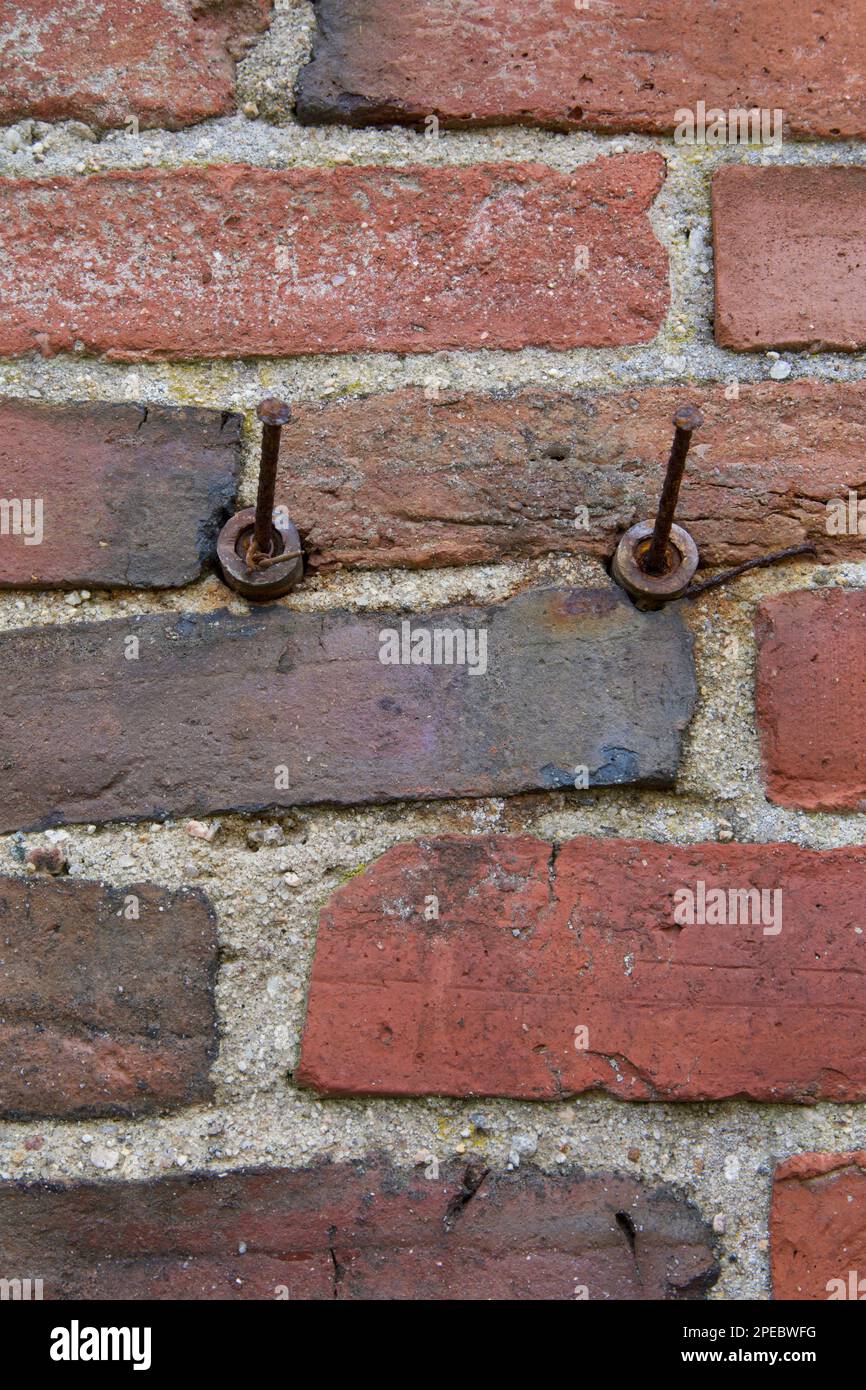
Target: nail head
{"x": 273, "y": 411}
{"x": 688, "y": 417}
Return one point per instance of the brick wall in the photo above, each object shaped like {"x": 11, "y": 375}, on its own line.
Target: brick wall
{"x": 430, "y": 1014}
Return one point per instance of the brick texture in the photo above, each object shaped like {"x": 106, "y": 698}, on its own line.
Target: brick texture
{"x": 235, "y": 261}
{"x": 359, "y": 1231}
{"x": 811, "y": 698}
{"x": 621, "y": 67}
{"x": 790, "y": 252}
{"x": 101, "y": 1012}
{"x": 286, "y": 708}
{"x": 131, "y": 495}
{"x": 166, "y": 62}
{"x": 406, "y": 479}
{"x": 530, "y": 946}
{"x": 818, "y": 1227}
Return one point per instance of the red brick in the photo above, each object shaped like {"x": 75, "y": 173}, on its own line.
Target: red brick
{"x": 628, "y": 66}
{"x": 531, "y": 945}
{"x": 359, "y": 1231}
{"x": 100, "y": 1013}
{"x": 818, "y": 1227}
{"x": 811, "y": 698}
{"x": 167, "y": 62}
{"x": 287, "y": 708}
{"x": 234, "y": 261}
{"x": 404, "y": 479}
{"x": 790, "y": 256}
{"x": 132, "y": 496}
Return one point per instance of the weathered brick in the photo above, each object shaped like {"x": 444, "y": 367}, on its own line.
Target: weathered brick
{"x": 281, "y": 708}
{"x": 130, "y": 495}
{"x": 530, "y": 946}
{"x": 628, "y": 66}
{"x": 818, "y": 1227}
{"x": 811, "y": 698}
{"x": 408, "y": 478}
{"x": 102, "y": 1012}
{"x": 359, "y": 1231}
{"x": 790, "y": 248}
{"x": 166, "y": 62}
{"x": 234, "y": 261}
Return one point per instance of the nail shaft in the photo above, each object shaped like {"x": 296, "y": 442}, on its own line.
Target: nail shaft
{"x": 687, "y": 419}
{"x": 273, "y": 414}
{"x": 267, "y": 488}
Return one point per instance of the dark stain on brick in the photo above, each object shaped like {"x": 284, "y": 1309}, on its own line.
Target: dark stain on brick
{"x": 133, "y": 497}
{"x": 361, "y": 1230}
{"x": 208, "y": 718}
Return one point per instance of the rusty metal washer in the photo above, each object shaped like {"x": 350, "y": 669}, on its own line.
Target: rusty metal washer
{"x": 277, "y": 578}
{"x": 651, "y": 591}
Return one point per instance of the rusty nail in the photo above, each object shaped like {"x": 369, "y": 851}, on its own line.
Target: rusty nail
{"x": 687, "y": 419}
{"x": 273, "y": 414}
{"x": 655, "y": 561}
{"x": 245, "y": 546}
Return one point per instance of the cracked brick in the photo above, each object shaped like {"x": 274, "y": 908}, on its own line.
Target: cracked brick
{"x": 363, "y": 1230}
{"x": 432, "y": 478}
{"x": 488, "y": 966}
